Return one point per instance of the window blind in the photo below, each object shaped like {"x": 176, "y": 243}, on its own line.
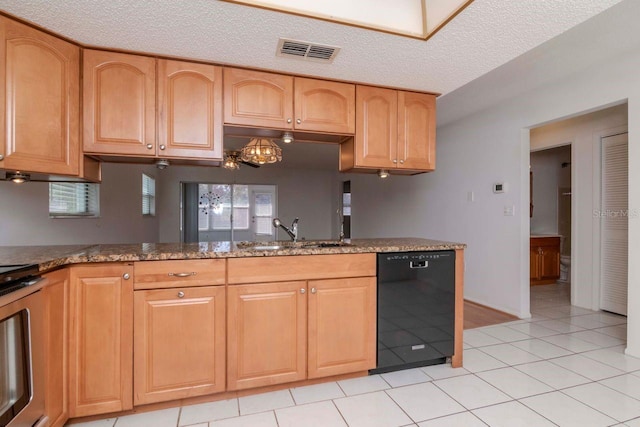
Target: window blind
{"x": 148, "y": 195}
{"x": 73, "y": 200}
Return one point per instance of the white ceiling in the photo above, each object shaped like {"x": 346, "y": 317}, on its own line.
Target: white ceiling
{"x": 487, "y": 34}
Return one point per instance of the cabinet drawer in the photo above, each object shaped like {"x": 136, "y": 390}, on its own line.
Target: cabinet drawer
{"x": 544, "y": 241}
{"x": 171, "y": 274}
{"x": 304, "y": 267}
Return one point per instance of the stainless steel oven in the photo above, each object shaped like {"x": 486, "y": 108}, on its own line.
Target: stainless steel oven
{"x": 21, "y": 349}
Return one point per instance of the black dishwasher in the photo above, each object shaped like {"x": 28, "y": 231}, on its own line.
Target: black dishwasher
{"x": 416, "y": 309}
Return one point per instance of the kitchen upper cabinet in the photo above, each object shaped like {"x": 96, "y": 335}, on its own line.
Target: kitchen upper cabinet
{"x": 56, "y": 297}
{"x": 100, "y": 339}
{"x": 342, "y": 327}
{"x": 39, "y": 101}
{"x": 416, "y": 131}
{"x": 179, "y": 343}
{"x": 266, "y": 334}
{"x": 119, "y": 103}
{"x": 395, "y": 130}
{"x": 544, "y": 260}
{"x": 257, "y": 99}
{"x": 323, "y": 106}
{"x": 189, "y": 110}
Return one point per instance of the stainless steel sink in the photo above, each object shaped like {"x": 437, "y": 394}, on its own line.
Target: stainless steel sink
{"x": 276, "y": 246}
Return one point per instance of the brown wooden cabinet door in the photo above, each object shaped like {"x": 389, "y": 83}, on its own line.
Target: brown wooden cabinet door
{"x": 119, "y": 103}
{"x": 39, "y": 101}
{"x": 253, "y": 98}
{"x": 323, "y": 106}
{"x": 101, "y": 339}
{"x": 376, "y": 127}
{"x": 550, "y": 262}
{"x": 56, "y": 297}
{"x": 179, "y": 343}
{"x": 416, "y": 131}
{"x": 534, "y": 263}
{"x": 189, "y": 110}
{"x": 267, "y": 334}
{"x": 342, "y": 326}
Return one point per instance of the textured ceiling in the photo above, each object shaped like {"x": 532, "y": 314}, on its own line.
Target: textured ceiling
{"x": 484, "y": 36}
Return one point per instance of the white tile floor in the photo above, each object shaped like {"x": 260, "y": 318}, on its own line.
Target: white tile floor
{"x": 566, "y": 366}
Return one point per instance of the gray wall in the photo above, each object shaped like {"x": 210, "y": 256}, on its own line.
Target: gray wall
{"x": 24, "y": 213}
{"x": 548, "y": 177}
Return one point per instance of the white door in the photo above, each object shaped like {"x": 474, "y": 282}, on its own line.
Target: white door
{"x": 614, "y": 218}
{"x": 263, "y": 210}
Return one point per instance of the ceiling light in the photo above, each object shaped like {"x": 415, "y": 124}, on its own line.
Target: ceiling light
{"x": 162, "y": 163}
{"x": 231, "y": 161}
{"x": 261, "y": 151}
{"x": 287, "y": 137}
{"x": 18, "y": 177}
{"x": 383, "y": 173}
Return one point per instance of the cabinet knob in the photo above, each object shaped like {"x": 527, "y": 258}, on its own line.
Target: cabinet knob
{"x": 401, "y": 162}
{"x": 303, "y": 290}
{"x": 298, "y": 121}
{"x": 395, "y": 161}
{"x": 288, "y": 120}
{"x": 1, "y": 157}
{"x": 180, "y": 294}
{"x": 314, "y": 290}
{"x": 126, "y": 276}
{"x": 149, "y": 146}
{"x": 162, "y": 147}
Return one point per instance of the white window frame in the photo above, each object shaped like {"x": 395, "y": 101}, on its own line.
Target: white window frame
{"x": 148, "y": 192}
{"x": 84, "y": 197}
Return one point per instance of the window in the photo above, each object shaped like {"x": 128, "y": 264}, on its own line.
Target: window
{"x": 148, "y": 195}
{"x": 216, "y": 207}
{"x": 73, "y": 200}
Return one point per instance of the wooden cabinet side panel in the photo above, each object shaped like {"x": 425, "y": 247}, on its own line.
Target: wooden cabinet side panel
{"x": 376, "y": 127}
{"x": 179, "y": 343}
{"x": 40, "y": 108}
{"x": 416, "y": 131}
{"x": 119, "y": 103}
{"x": 56, "y": 296}
{"x": 456, "y": 359}
{"x": 253, "y": 98}
{"x": 342, "y": 326}
{"x": 101, "y": 340}
{"x": 189, "y": 110}
{"x": 323, "y": 106}
{"x": 266, "y": 338}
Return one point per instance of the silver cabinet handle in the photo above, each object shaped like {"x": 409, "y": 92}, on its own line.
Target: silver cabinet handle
{"x": 149, "y": 146}
{"x": 313, "y": 290}
{"x": 162, "y": 147}
{"x": 193, "y": 273}
{"x": 288, "y": 120}
{"x": 401, "y": 162}
{"x": 126, "y": 276}
{"x": 298, "y": 121}
{"x": 395, "y": 160}
{"x": 180, "y": 294}
{"x": 303, "y": 290}
{"x": 1, "y": 157}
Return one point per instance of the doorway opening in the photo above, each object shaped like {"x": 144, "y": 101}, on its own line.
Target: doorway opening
{"x": 228, "y": 212}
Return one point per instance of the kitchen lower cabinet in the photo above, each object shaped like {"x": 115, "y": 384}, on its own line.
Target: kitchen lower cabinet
{"x": 266, "y": 334}
{"x": 56, "y": 297}
{"x": 341, "y": 326}
{"x": 100, "y": 339}
{"x": 544, "y": 258}
{"x": 179, "y": 343}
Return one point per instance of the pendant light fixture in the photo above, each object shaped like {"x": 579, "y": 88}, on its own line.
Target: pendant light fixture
{"x": 231, "y": 161}
{"x": 261, "y": 151}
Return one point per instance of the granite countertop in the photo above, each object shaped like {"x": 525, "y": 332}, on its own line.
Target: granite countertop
{"x": 50, "y": 257}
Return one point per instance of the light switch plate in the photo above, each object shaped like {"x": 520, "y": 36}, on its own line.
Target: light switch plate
{"x": 509, "y": 210}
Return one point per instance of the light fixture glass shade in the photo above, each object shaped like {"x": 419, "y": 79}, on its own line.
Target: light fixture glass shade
{"x": 383, "y": 173}
{"x": 261, "y": 151}
{"x": 287, "y": 137}
{"x": 231, "y": 161}
{"x": 18, "y": 177}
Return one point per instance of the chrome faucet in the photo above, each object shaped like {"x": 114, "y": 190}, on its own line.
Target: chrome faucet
{"x": 292, "y": 232}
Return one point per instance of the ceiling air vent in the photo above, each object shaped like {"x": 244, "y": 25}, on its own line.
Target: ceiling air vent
{"x": 305, "y": 50}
